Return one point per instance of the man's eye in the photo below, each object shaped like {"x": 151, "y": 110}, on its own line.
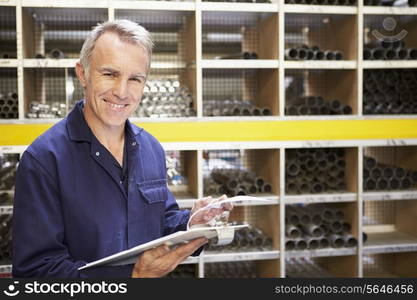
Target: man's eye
{"x": 108, "y": 74}
{"x": 137, "y": 79}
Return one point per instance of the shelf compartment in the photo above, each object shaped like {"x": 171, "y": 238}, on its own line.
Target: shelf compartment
{"x": 320, "y": 170}
{"x": 155, "y": 5}
{"x": 8, "y": 42}
{"x": 306, "y": 266}
{"x": 240, "y": 92}
{"x": 387, "y": 92}
{"x": 229, "y": 33}
{"x": 239, "y": 6}
{"x": 321, "y": 230}
{"x": 390, "y": 265}
{"x": 9, "y": 104}
{"x": 8, "y": 167}
{"x": 45, "y": 93}
{"x": 320, "y": 92}
{"x": 237, "y": 172}
{"x": 58, "y": 33}
{"x": 182, "y": 174}
{"x": 242, "y": 269}
{"x": 390, "y": 226}
{"x": 325, "y": 31}
{"x": 385, "y": 35}
{"x": 169, "y": 93}
{"x": 389, "y": 242}
{"x": 173, "y": 32}
{"x": 390, "y": 168}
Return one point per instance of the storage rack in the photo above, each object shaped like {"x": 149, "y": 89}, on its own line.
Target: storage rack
{"x": 391, "y": 248}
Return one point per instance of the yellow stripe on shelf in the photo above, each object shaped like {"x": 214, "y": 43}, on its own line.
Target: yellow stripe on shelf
{"x": 24, "y": 134}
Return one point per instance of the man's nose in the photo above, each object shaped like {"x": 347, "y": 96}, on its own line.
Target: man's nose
{"x": 120, "y": 89}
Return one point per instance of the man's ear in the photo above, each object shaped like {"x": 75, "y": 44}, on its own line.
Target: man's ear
{"x": 81, "y": 74}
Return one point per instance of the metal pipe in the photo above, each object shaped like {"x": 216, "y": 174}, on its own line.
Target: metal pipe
{"x": 292, "y": 231}
{"x": 336, "y": 241}
{"x": 291, "y": 54}
{"x": 349, "y": 241}
{"x": 312, "y": 243}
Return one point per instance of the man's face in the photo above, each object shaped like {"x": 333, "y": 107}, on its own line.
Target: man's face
{"x": 116, "y": 79}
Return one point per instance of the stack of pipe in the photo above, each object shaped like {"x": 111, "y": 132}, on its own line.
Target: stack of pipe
{"x": 9, "y": 107}
{"x": 214, "y": 108}
{"x": 389, "y": 50}
{"x": 235, "y": 182}
{"x": 183, "y": 271}
{"x": 7, "y": 176}
{"x": 390, "y": 2}
{"x": 39, "y": 110}
{"x": 6, "y": 238}
{"x": 315, "y": 170}
{"x": 316, "y": 226}
{"x": 6, "y": 198}
{"x": 390, "y": 91}
{"x": 322, "y": 2}
{"x": 241, "y": 269}
{"x": 298, "y": 267}
{"x": 377, "y": 176}
{"x": 246, "y": 239}
{"x": 165, "y": 98}
{"x": 316, "y": 105}
{"x": 305, "y": 52}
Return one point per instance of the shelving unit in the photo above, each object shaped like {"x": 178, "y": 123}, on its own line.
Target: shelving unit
{"x": 189, "y": 35}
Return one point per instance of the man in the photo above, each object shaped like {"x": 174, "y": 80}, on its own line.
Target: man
{"x": 95, "y": 184}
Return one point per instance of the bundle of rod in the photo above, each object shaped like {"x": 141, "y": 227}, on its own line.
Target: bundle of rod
{"x": 39, "y": 110}
{"x": 322, "y": 2}
{"x": 239, "y": 55}
{"x": 165, "y": 97}
{"x": 227, "y": 107}
{"x": 305, "y": 52}
{"x": 377, "y": 176}
{"x": 235, "y": 182}
{"x": 316, "y": 105}
{"x": 9, "y": 106}
{"x": 247, "y": 239}
{"x": 298, "y": 267}
{"x": 390, "y": 91}
{"x": 6, "y": 238}
{"x": 5, "y": 198}
{"x": 183, "y": 271}
{"x": 315, "y": 170}
{"x": 7, "y": 176}
{"x": 315, "y": 227}
{"x": 241, "y": 269}
{"x": 389, "y": 50}
{"x": 390, "y": 2}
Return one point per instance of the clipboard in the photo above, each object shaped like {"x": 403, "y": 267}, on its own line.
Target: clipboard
{"x": 130, "y": 256}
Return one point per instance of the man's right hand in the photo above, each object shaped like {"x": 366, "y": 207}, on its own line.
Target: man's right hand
{"x": 158, "y": 262}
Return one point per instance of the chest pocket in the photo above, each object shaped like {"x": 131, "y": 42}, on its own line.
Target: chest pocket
{"x": 154, "y": 191}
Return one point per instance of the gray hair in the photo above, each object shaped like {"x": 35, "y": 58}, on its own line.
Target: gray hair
{"x": 127, "y": 31}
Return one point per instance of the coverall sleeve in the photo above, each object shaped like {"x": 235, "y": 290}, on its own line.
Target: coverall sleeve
{"x": 39, "y": 249}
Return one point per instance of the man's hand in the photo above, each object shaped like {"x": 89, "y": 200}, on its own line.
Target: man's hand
{"x": 205, "y": 215}
{"x": 158, "y": 262}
